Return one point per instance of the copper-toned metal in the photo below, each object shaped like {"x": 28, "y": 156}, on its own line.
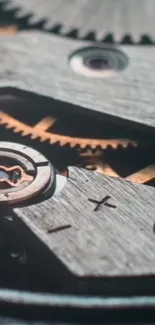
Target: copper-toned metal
{"x": 94, "y": 161}
{"x": 8, "y": 30}
{"x": 39, "y": 132}
{"x": 45, "y": 123}
{"x": 103, "y": 168}
{"x": 36, "y": 173}
{"x": 143, "y": 176}
{"x": 23, "y": 178}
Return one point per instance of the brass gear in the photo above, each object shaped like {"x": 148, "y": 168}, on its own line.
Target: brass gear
{"x": 39, "y": 132}
{"x": 95, "y": 162}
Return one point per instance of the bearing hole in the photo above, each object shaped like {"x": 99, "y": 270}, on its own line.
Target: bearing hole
{"x": 96, "y": 63}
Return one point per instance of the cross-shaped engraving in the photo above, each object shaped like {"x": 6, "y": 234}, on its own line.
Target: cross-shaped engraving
{"x": 103, "y": 201}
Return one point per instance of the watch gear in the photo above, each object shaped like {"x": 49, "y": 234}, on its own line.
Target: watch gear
{"x": 96, "y": 162}
{"x": 39, "y": 132}
{"x": 100, "y": 19}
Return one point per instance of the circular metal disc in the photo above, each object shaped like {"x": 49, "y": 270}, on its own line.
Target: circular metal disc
{"x": 33, "y": 163}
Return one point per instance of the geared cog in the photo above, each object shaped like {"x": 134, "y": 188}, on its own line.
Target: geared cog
{"x": 39, "y": 132}
{"x": 99, "y": 19}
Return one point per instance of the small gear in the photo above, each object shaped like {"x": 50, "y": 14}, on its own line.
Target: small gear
{"x": 100, "y": 19}
{"x": 96, "y": 162}
{"x": 39, "y": 132}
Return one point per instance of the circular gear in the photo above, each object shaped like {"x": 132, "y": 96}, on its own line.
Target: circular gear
{"x": 24, "y": 173}
{"x": 40, "y": 133}
{"x": 100, "y": 19}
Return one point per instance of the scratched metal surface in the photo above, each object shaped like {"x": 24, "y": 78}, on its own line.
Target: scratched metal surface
{"x": 23, "y": 318}
{"x": 109, "y": 241}
{"x": 126, "y": 96}
{"x": 88, "y": 18}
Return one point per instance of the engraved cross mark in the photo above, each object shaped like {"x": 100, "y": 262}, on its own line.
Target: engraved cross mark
{"x": 104, "y": 201}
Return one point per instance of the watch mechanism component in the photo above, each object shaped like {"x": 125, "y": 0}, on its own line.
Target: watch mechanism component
{"x": 100, "y": 19}
{"x": 14, "y": 176}
{"x": 8, "y": 30}
{"x": 96, "y": 238}
{"x": 24, "y": 173}
{"x": 86, "y": 154}
{"x": 39, "y": 132}
{"x": 108, "y": 97}
{"x": 99, "y": 162}
{"x": 98, "y": 62}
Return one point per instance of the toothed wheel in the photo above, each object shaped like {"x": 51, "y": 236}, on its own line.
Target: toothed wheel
{"x": 39, "y": 131}
{"x": 99, "y": 19}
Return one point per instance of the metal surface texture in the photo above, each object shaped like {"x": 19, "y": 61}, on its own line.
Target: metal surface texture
{"x": 7, "y": 175}
{"x": 106, "y": 237}
{"x": 123, "y": 98}
{"x": 101, "y": 19}
{"x": 117, "y": 162}
{"x": 80, "y": 249}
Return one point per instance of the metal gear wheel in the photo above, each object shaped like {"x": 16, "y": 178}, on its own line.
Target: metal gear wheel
{"x": 99, "y": 19}
{"x": 40, "y": 132}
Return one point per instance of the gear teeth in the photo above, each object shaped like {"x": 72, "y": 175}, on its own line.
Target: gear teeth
{"x": 33, "y": 21}
{"x": 52, "y": 141}
{"x": 94, "y": 146}
{"x": 42, "y": 140}
{"x": 62, "y": 143}
{"x": 7, "y": 126}
{"x": 25, "y": 133}
{"x": 72, "y": 145}
{"x": 7, "y": 6}
{"x": 47, "y": 25}
{"x": 25, "y": 130}
{"x": 94, "y": 20}
{"x": 20, "y": 14}
{"x": 16, "y": 130}
{"x": 35, "y": 136}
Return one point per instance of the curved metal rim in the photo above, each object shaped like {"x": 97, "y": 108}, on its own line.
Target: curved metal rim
{"x": 45, "y": 173}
